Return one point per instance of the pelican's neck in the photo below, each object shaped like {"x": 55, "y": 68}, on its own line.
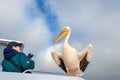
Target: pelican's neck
{"x": 67, "y": 38}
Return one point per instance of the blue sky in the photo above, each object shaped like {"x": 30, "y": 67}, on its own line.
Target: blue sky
{"x": 38, "y": 22}
{"x": 50, "y": 17}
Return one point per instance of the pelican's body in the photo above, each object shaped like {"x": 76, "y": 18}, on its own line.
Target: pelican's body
{"x": 71, "y": 61}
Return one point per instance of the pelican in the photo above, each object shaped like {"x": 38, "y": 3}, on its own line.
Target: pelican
{"x": 71, "y": 61}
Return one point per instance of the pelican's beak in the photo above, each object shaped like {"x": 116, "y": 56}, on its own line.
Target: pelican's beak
{"x": 63, "y": 34}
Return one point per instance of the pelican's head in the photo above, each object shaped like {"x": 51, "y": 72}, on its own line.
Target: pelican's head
{"x": 64, "y": 33}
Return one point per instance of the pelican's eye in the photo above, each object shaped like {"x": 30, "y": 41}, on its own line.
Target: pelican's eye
{"x": 65, "y": 28}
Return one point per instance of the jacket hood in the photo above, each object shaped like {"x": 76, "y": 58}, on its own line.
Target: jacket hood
{"x": 9, "y": 53}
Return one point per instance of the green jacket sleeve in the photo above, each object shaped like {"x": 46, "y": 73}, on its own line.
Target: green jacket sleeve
{"x": 25, "y": 62}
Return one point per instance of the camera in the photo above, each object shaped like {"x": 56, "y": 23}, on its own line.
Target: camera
{"x": 30, "y": 55}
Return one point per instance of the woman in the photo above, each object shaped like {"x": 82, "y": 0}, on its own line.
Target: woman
{"x": 15, "y": 60}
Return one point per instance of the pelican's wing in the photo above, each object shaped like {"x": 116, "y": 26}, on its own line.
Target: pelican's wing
{"x": 58, "y": 60}
{"x": 84, "y": 63}
{"x": 85, "y": 57}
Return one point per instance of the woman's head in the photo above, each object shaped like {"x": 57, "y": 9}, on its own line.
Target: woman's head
{"x": 16, "y": 46}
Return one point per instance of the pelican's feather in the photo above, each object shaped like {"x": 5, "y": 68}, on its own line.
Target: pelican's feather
{"x": 83, "y": 63}
{"x": 58, "y": 60}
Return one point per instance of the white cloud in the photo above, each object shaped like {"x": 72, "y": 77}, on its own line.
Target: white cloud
{"x": 16, "y": 23}
{"x": 44, "y": 61}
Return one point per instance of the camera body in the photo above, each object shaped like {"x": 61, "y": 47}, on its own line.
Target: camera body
{"x": 30, "y": 55}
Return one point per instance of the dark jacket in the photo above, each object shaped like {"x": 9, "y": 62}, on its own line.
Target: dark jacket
{"x": 18, "y": 58}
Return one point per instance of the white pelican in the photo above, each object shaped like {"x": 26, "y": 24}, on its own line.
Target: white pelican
{"x": 71, "y": 61}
